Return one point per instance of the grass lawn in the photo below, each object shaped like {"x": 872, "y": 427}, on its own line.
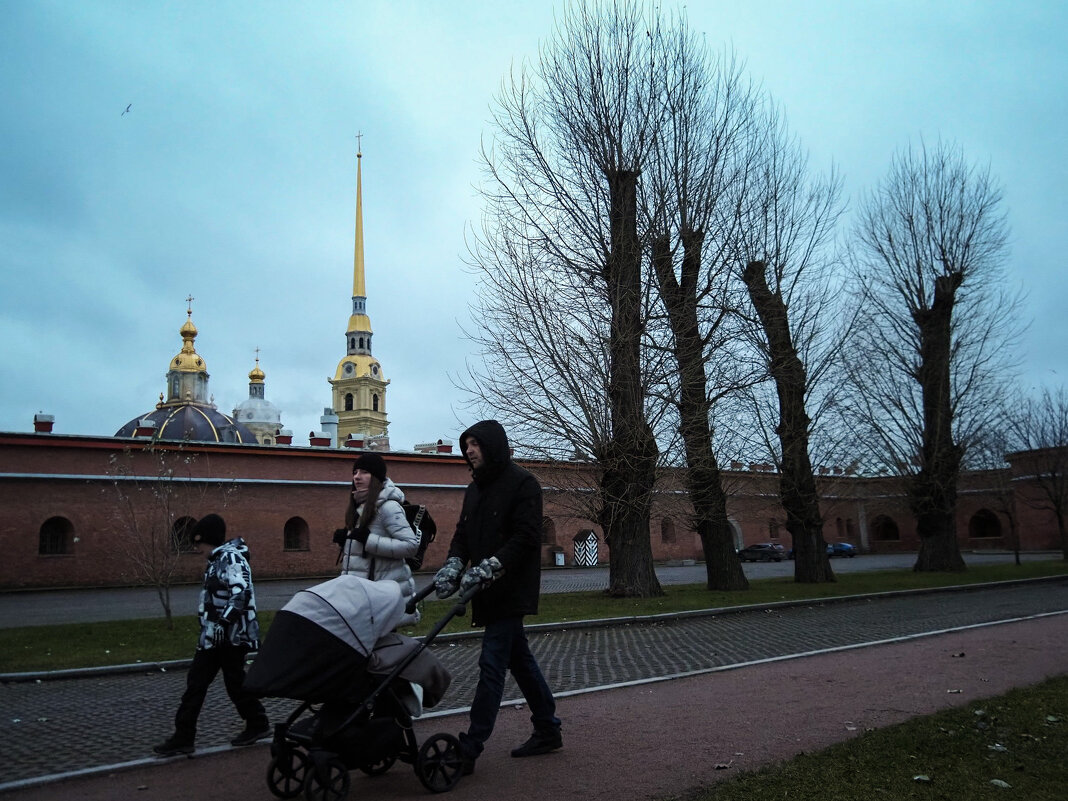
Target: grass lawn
{"x": 64, "y": 646}
{"x": 1010, "y": 747}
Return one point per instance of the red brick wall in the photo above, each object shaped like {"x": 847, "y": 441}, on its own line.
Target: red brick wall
{"x": 258, "y": 488}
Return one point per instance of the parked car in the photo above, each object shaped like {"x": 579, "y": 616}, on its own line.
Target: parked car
{"x": 833, "y": 549}
{"x": 841, "y": 549}
{"x": 763, "y": 552}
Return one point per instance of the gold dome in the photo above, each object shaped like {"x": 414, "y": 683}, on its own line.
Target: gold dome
{"x": 356, "y": 365}
{"x": 188, "y": 360}
{"x": 256, "y": 375}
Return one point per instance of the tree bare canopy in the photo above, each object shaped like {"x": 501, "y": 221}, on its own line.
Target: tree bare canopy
{"x": 1039, "y": 426}
{"x": 930, "y": 352}
{"x": 788, "y": 218}
{"x": 694, "y": 184}
{"x": 562, "y": 312}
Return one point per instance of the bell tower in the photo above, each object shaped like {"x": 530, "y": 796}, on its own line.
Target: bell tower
{"x": 359, "y": 385}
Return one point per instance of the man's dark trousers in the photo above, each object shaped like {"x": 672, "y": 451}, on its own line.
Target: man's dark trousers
{"x": 207, "y": 662}
{"x": 505, "y": 648}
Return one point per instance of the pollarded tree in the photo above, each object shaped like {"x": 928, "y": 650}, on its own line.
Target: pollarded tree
{"x": 781, "y": 257}
{"x": 930, "y": 353}
{"x": 694, "y": 184}
{"x": 1039, "y": 426}
{"x": 572, "y": 134}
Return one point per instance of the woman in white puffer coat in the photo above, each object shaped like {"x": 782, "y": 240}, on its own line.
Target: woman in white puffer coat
{"x": 377, "y": 537}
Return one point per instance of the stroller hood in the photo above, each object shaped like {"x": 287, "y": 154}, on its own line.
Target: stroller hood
{"x": 321, "y": 639}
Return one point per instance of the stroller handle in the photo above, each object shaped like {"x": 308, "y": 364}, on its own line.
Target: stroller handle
{"x": 409, "y": 608}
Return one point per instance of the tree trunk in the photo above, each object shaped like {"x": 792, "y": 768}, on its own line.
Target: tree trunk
{"x": 797, "y": 484}
{"x": 933, "y": 490}
{"x": 723, "y": 570}
{"x": 630, "y": 463}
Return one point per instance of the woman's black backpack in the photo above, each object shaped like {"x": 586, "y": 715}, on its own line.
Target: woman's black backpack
{"x": 425, "y": 528}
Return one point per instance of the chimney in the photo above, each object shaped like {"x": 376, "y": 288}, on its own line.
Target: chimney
{"x": 354, "y": 441}
{"x": 318, "y": 439}
{"x": 284, "y": 437}
{"x": 329, "y": 422}
{"x": 42, "y": 423}
{"x": 444, "y": 446}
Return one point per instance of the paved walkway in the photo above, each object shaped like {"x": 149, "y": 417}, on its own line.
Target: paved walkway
{"x": 746, "y": 688}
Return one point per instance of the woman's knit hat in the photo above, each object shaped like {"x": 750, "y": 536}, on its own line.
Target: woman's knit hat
{"x": 371, "y": 463}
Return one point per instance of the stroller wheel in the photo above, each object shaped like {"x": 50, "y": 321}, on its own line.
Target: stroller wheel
{"x": 286, "y": 772}
{"x": 327, "y": 779}
{"x": 439, "y": 765}
{"x": 379, "y": 767}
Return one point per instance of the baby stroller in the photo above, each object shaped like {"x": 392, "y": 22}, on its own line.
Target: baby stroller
{"x": 332, "y": 647}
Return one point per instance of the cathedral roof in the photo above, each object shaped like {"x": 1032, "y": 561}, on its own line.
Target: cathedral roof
{"x": 188, "y": 413}
{"x": 190, "y": 421}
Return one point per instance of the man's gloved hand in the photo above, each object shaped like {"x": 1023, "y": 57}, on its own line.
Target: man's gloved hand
{"x": 483, "y": 574}
{"x": 360, "y": 534}
{"x": 447, "y": 579}
{"x": 340, "y": 535}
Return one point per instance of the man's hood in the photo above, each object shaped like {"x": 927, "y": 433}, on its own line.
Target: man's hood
{"x": 495, "y": 449}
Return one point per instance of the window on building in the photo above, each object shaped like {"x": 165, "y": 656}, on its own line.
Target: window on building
{"x": 773, "y": 529}
{"x": 56, "y": 537}
{"x": 374, "y": 403}
{"x": 295, "y": 535}
{"x": 667, "y": 531}
{"x": 548, "y": 531}
{"x": 182, "y": 535}
{"x": 348, "y": 402}
{"x": 884, "y": 528}
{"x": 984, "y": 525}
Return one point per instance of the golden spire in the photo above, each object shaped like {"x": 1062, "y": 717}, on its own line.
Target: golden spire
{"x": 359, "y": 288}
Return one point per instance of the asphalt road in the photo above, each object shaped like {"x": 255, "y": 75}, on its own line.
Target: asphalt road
{"x": 47, "y": 607}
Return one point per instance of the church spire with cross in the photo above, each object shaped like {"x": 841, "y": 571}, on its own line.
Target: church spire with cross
{"x": 359, "y": 385}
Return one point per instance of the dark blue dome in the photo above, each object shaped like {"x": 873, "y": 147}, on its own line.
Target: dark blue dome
{"x": 190, "y": 421}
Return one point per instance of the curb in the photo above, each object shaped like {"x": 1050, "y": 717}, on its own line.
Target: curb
{"x": 180, "y": 664}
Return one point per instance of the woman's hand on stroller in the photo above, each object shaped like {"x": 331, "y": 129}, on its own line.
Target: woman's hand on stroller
{"x": 481, "y": 575}
{"x": 447, "y": 579}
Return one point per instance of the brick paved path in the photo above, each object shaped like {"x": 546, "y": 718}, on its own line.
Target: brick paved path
{"x": 61, "y": 726}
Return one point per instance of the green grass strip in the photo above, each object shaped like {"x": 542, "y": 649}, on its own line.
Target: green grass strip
{"x": 76, "y": 645}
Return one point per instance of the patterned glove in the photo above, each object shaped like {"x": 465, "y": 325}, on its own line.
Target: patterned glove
{"x": 483, "y": 574}
{"x": 447, "y": 580}
{"x": 218, "y": 635}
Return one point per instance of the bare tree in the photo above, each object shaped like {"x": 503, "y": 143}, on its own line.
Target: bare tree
{"x": 789, "y": 216}
{"x": 931, "y": 349}
{"x": 696, "y": 178}
{"x": 1039, "y": 427}
{"x": 156, "y": 497}
{"x": 572, "y": 136}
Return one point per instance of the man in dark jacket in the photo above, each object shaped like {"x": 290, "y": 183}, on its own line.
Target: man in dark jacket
{"x": 228, "y": 631}
{"x": 499, "y": 535}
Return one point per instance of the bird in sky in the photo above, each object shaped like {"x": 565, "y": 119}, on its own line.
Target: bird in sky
{"x": 130, "y": 106}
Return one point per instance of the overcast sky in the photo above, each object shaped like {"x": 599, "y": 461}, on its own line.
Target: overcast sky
{"x": 232, "y": 177}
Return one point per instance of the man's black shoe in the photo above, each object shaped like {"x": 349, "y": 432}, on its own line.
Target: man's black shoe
{"x": 467, "y": 766}
{"x": 173, "y": 746}
{"x": 539, "y": 743}
{"x": 251, "y": 734}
